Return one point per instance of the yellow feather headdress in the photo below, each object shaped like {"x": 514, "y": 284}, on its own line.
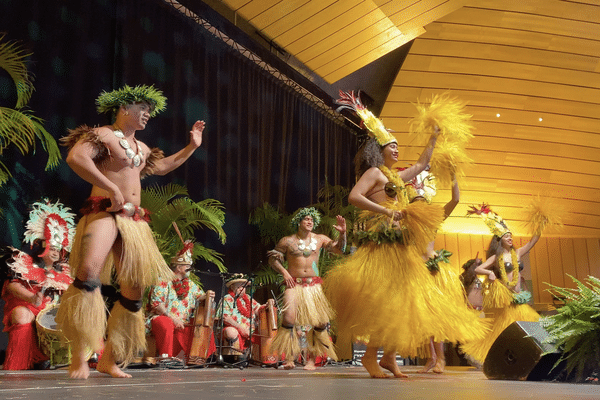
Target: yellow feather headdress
{"x": 371, "y": 122}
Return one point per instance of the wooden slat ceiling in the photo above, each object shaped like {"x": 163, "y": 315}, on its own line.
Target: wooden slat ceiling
{"x": 334, "y": 38}
{"x": 529, "y": 70}
{"x": 514, "y": 63}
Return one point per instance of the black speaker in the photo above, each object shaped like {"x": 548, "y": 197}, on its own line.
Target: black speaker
{"x": 519, "y": 353}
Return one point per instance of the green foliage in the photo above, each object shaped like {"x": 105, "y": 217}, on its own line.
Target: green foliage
{"x": 18, "y": 126}
{"x": 272, "y": 225}
{"x": 576, "y": 326}
{"x": 169, "y": 204}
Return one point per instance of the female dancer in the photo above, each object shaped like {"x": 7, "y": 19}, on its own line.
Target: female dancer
{"x": 383, "y": 294}
{"x": 502, "y": 288}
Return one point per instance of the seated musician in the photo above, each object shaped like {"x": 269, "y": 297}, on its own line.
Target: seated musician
{"x": 171, "y": 307}
{"x": 236, "y": 312}
{"x": 34, "y": 281}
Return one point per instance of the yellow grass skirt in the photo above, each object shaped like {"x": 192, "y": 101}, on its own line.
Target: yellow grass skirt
{"x": 505, "y": 312}
{"x": 384, "y": 295}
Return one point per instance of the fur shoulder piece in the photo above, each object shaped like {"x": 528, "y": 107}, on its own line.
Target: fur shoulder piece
{"x": 84, "y": 132}
{"x": 155, "y": 155}
{"x": 88, "y": 134}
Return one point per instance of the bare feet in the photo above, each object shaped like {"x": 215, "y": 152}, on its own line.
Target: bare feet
{"x": 392, "y": 366}
{"x": 79, "y": 368}
{"x": 439, "y": 367}
{"x": 111, "y": 369}
{"x": 370, "y": 364}
{"x": 431, "y": 362}
{"x": 310, "y": 365}
{"x": 289, "y": 365}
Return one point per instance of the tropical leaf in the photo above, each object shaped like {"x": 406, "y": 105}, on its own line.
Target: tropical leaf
{"x": 266, "y": 275}
{"x": 18, "y": 126}
{"x": 576, "y": 326}
{"x": 170, "y": 205}
{"x": 12, "y": 60}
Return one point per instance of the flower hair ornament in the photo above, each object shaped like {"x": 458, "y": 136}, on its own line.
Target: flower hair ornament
{"x": 494, "y": 222}
{"x": 109, "y": 102}
{"x": 51, "y": 222}
{"x": 376, "y": 128}
{"x": 305, "y": 212}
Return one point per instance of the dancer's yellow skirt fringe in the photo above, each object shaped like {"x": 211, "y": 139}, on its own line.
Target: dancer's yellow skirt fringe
{"x": 505, "y": 313}
{"x": 286, "y": 343}
{"x": 312, "y": 307}
{"x": 384, "y": 295}
{"x": 319, "y": 343}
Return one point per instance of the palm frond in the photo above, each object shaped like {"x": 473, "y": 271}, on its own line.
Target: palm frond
{"x": 4, "y": 174}
{"x": 266, "y": 275}
{"x": 210, "y": 255}
{"x": 12, "y": 60}
{"x": 167, "y": 207}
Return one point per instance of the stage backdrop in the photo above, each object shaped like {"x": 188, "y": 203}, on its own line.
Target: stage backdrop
{"x": 263, "y": 141}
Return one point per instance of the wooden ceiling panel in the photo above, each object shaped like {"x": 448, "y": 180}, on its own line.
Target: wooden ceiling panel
{"x": 296, "y": 18}
{"x": 321, "y": 24}
{"x": 337, "y": 38}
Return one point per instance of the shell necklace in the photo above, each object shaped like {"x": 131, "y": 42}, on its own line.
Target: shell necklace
{"x": 136, "y": 158}
{"x": 307, "y": 249}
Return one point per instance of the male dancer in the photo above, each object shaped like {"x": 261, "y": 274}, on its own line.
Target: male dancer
{"x": 114, "y": 229}
{"x": 304, "y": 300}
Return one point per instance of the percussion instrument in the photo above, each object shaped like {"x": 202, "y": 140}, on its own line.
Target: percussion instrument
{"x": 203, "y": 327}
{"x": 52, "y": 341}
{"x": 267, "y": 329}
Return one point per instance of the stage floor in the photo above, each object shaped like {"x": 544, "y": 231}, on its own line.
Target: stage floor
{"x": 330, "y": 382}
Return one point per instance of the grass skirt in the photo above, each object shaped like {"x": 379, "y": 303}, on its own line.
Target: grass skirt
{"x": 286, "y": 342}
{"x": 312, "y": 307}
{"x": 141, "y": 261}
{"x": 506, "y": 312}
{"x": 384, "y": 295}
{"x": 126, "y": 333}
{"x": 82, "y": 318}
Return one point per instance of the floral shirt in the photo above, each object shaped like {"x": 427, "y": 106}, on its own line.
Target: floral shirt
{"x": 232, "y": 309}
{"x": 165, "y": 293}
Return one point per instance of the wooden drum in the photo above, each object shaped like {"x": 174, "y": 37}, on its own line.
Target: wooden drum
{"x": 203, "y": 329}
{"x": 267, "y": 329}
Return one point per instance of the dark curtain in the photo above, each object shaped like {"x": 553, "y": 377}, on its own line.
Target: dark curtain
{"x": 263, "y": 142}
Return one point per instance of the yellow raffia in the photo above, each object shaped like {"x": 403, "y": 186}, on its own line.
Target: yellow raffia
{"x": 375, "y": 127}
{"x": 541, "y": 214}
{"x": 516, "y": 274}
{"x": 449, "y": 158}
{"x": 448, "y": 114}
{"x": 81, "y": 318}
{"x": 319, "y": 342}
{"x": 286, "y": 342}
{"x": 449, "y": 162}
